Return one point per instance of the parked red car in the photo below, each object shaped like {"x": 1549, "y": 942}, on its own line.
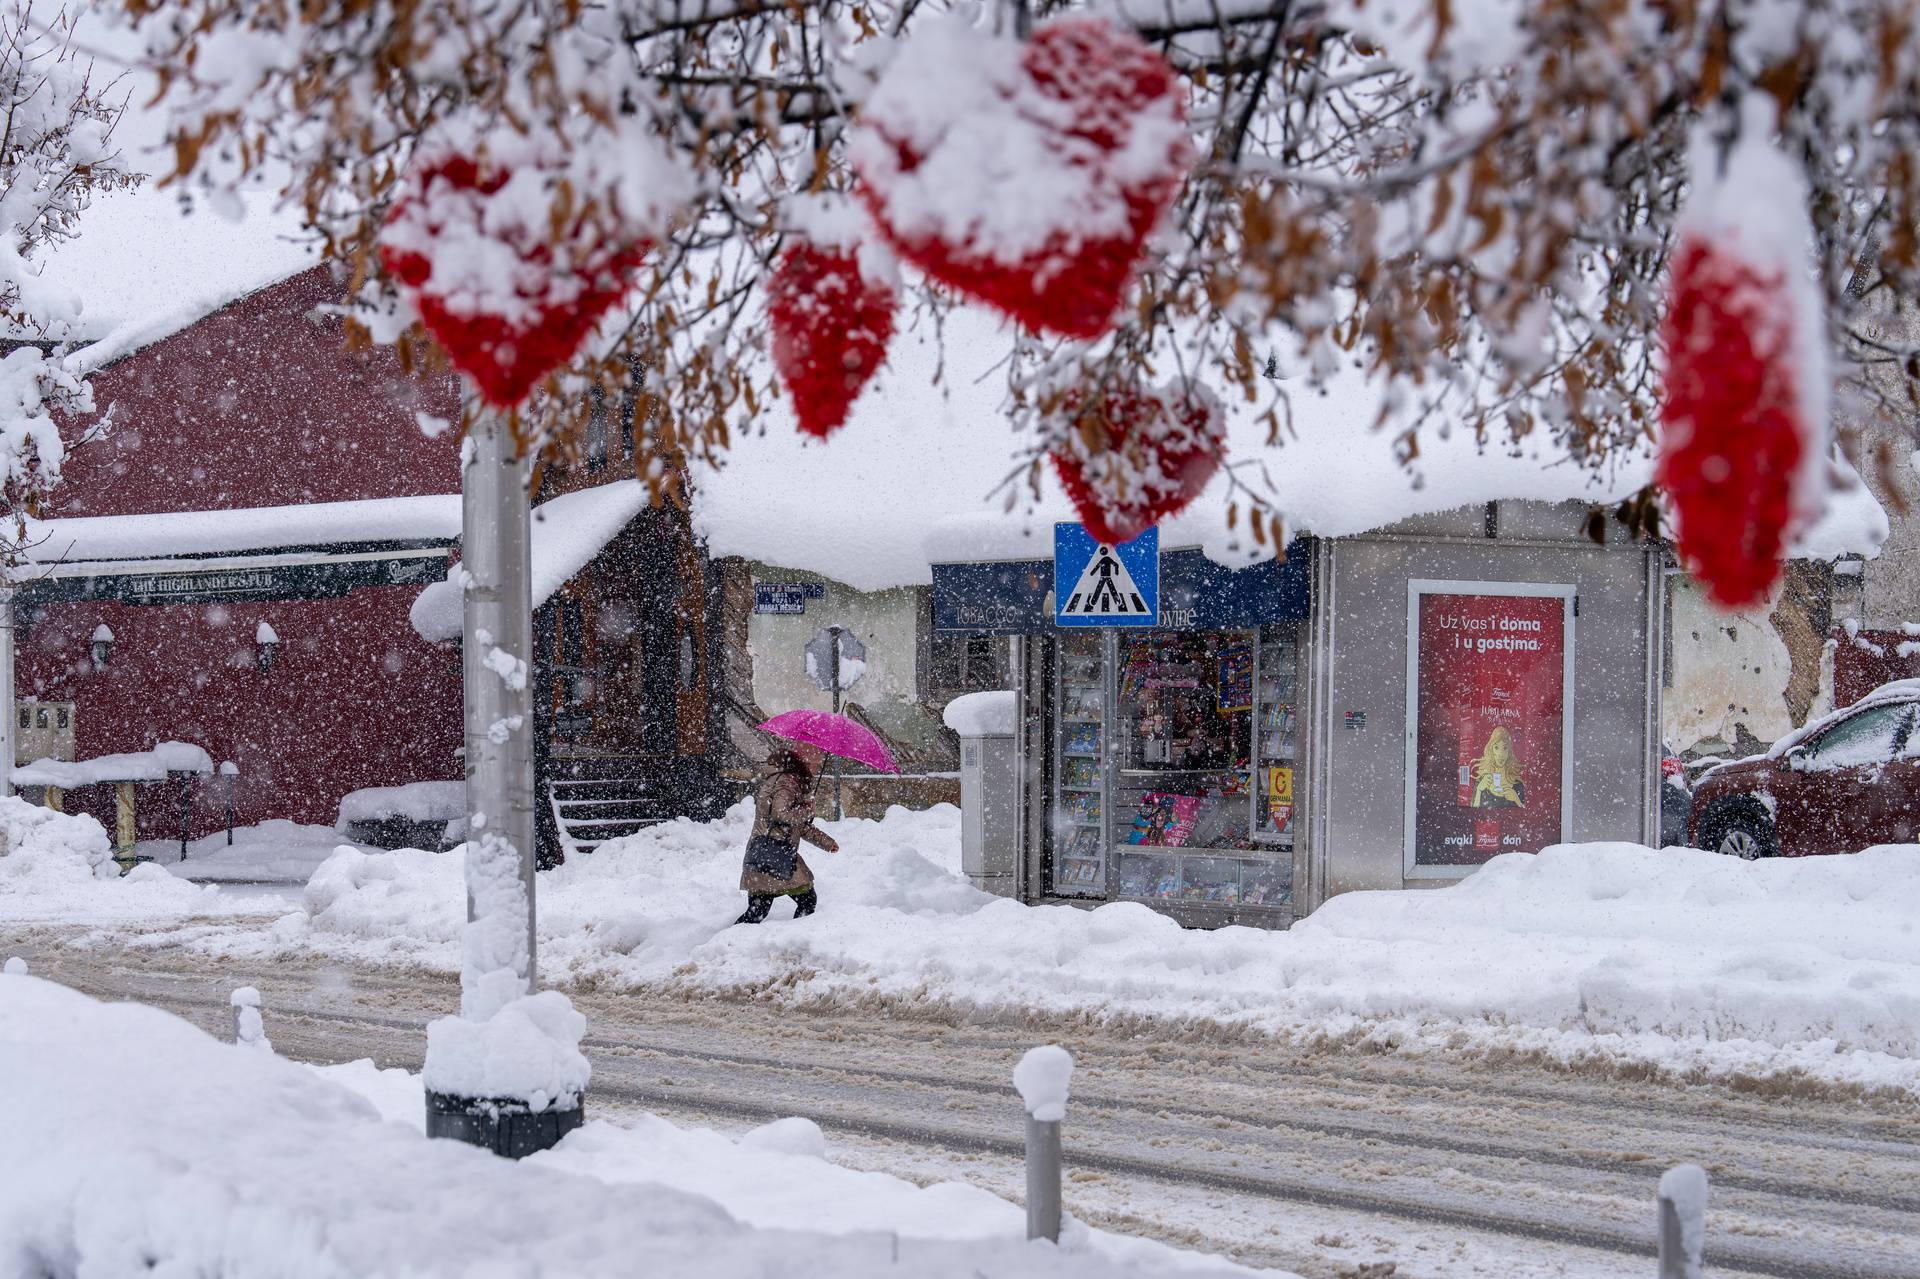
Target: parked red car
{"x": 1844, "y": 782}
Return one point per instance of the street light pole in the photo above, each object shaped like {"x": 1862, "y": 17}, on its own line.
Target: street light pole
{"x": 498, "y": 955}
{"x": 833, "y": 634}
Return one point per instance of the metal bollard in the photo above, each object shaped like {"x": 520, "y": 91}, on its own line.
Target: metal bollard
{"x": 248, "y": 1029}
{"x": 1042, "y": 1077}
{"x": 1683, "y": 1224}
{"x": 1043, "y": 1178}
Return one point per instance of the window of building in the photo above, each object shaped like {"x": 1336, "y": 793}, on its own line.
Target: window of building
{"x": 966, "y": 664}
{"x": 596, "y": 441}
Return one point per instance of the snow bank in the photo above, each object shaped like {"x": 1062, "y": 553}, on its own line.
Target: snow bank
{"x": 780, "y": 1175}
{"x": 271, "y": 852}
{"x": 989, "y": 714}
{"x": 1612, "y": 954}
{"x": 529, "y": 1050}
{"x": 255, "y": 1165}
{"x": 135, "y": 766}
{"x": 60, "y": 866}
{"x": 416, "y": 802}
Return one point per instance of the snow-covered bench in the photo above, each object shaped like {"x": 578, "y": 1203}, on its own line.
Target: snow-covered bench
{"x": 52, "y": 778}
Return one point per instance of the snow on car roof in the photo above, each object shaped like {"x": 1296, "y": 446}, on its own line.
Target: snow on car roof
{"x": 1899, "y": 690}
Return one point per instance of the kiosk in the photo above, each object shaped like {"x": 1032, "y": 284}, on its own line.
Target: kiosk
{"x": 1388, "y": 710}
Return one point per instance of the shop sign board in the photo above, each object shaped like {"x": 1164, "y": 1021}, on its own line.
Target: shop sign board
{"x": 1489, "y": 722}
{"x": 1095, "y": 584}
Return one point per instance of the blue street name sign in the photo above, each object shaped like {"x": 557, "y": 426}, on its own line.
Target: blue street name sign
{"x": 784, "y": 599}
{"x": 1099, "y": 585}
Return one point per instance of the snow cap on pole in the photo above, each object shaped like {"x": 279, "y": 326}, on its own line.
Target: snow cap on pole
{"x": 1042, "y": 1077}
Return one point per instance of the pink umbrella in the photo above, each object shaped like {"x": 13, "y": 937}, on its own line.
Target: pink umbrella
{"x": 834, "y": 734}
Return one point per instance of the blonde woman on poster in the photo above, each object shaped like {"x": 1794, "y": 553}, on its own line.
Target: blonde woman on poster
{"x": 1496, "y": 774}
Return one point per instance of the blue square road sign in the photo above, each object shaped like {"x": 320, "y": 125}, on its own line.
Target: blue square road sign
{"x": 1099, "y": 585}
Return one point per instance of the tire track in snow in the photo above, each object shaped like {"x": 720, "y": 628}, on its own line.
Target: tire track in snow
{"x": 835, "y": 1079}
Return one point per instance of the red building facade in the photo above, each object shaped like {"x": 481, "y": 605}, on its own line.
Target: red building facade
{"x": 260, "y": 408}
{"x": 252, "y": 537}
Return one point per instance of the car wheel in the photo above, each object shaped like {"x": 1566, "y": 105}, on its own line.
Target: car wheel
{"x": 1748, "y": 838}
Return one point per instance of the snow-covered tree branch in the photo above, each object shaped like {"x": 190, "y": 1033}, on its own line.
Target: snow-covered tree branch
{"x": 56, "y": 151}
{"x": 1471, "y": 200}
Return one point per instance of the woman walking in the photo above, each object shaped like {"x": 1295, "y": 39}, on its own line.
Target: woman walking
{"x": 782, "y": 817}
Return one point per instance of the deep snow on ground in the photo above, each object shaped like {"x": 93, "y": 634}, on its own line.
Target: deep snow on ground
{"x": 59, "y": 867}
{"x": 255, "y": 1165}
{"x": 780, "y": 1175}
{"x": 272, "y": 852}
{"x": 1675, "y": 959}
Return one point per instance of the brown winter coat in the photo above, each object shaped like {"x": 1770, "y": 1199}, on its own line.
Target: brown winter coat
{"x": 783, "y": 810}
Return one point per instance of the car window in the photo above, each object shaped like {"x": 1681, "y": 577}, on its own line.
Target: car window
{"x": 1867, "y": 738}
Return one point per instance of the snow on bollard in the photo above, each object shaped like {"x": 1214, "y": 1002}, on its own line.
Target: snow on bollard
{"x": 1042, "y": 1077}
{"x": 248, "y": 1029}
{"x": 1683, "y": 1224}
{"x": 16, "y": 967}
{"x": 514, "y": 1083}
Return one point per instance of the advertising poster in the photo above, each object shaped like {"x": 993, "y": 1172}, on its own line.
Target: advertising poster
{"x": 1236, "y": 678}
{"x": 1488, "y": 753}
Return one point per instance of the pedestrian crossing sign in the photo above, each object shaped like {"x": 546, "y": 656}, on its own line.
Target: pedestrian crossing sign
{"x": 1095, "y": 584}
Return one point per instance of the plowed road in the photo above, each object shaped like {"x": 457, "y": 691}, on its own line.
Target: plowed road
{"x": 1326, "y": 1163}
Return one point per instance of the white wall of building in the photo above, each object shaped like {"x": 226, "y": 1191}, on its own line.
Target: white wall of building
{"x": 887, "y": 622}
{"x": 1727, "y": 671}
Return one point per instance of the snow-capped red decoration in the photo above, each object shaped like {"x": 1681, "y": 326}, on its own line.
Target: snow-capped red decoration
{"x": 830, "y": 306}
{"x": 1027, "y": 176}
{"x": 1130, "y": 458}
{"x": 468, "y": 244}
{"x": 1744, "y": 433}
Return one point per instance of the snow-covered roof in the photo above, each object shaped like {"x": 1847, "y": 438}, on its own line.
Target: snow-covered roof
{"x": 92, "y": 538}
{"x": 917, "y": 477}
{"x": 568, "y": 531}
{"x": 143, "y": 268}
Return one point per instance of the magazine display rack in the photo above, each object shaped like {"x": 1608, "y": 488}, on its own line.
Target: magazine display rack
{"x": 1274, "y": 714}
{"x": 1080, "y": 768}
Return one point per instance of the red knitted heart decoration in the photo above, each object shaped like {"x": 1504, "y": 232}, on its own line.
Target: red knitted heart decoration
{"x": 505, "y": 306}
{"x": 1732, "y": 440}
{"x": 831, "y": 325}
{"x": 1128, "y": 459}
{"x": 1026, "y": 176}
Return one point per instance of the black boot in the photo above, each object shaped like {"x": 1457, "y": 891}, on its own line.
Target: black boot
{"x": 803, "y": 904}
{"x": 757, "y": 908}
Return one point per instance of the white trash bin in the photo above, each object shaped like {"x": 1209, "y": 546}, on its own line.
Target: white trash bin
{"x": 989, "y": 812}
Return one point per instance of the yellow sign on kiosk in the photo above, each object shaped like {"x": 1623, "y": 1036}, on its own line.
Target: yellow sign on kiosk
{"x": 1279, "y": 785}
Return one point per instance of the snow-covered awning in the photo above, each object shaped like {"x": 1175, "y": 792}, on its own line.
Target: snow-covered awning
{"x": 921, "y": 475}
{"x": 568, "y": 531}
{"x": 66, "y": 546}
